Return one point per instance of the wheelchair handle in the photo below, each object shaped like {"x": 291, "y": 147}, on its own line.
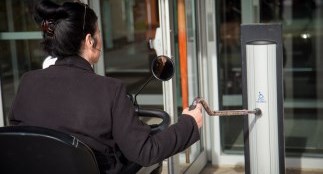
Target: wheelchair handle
{"x": 157, "y": 113}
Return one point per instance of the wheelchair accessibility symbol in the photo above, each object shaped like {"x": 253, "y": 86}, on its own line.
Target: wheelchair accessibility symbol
{"x": 261, "y": 98}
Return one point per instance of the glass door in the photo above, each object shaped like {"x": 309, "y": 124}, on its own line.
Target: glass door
{"x": 302, "y": 38}
{"x": 188, "y": 55}
{"x": 127, "y": 25}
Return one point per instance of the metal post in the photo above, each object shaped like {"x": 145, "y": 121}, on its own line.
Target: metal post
{"x": 262, "y": 88}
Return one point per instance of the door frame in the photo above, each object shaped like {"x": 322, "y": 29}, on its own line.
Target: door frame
{"x": 166, "y": 18}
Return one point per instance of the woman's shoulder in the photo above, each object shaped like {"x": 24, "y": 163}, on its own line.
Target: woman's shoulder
{"x": 31, "y": 73}
{"x": 107, "y": 78}
{"x": 110, "y": 81}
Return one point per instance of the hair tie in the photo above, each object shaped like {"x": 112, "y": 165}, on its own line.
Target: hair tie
{"x": 48, "y": 27}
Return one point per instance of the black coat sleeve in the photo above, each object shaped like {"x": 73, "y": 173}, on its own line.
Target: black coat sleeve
{"x": 134, "y": 139}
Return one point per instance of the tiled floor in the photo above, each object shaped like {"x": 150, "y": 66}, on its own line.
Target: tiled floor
{"x": 209, "y": 169}
{"x": 223, "y": 170}
{"x": 240, "y": 170}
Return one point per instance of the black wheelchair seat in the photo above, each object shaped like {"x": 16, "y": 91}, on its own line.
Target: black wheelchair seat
{"x": 33, "y": 150}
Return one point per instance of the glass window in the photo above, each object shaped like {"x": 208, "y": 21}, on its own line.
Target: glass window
{"x": 126, "y": 27}
{"x": 16, "y": 16}
{"x": 229, "y": 17}
{"x": 302, "y": 37}
{"x": 303, "y": 88}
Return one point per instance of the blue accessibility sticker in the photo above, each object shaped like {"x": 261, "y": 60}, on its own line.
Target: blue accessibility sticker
{"x": 261, "y": 98}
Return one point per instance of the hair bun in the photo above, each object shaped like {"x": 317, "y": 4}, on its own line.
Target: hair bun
{"x": 48, "y": 10}
{"x": 48, "y": 27}
{"x": 47, "y": 13}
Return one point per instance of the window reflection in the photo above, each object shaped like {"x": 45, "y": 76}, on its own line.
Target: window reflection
{"x": 230, "y": 74}
{"x": 127, "y": 26}
{"x": 17, "y": 15}
{"x": 302, "y": 37}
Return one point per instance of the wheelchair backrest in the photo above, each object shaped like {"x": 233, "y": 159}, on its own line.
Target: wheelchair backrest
{"x": 27, "y": 149}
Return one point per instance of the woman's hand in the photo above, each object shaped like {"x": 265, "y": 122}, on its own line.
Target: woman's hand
{"x": 196, "y": 114}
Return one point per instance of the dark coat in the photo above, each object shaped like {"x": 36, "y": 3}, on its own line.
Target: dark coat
{"x": 70, "y": 97}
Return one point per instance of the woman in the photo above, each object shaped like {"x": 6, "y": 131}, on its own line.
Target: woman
{"x": 70, "y": 97}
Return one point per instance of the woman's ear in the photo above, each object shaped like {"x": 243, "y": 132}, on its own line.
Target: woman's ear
{"x": 88, "y": 40}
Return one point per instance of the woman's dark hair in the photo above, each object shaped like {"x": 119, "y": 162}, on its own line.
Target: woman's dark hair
{"x": 64, "y": 26}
